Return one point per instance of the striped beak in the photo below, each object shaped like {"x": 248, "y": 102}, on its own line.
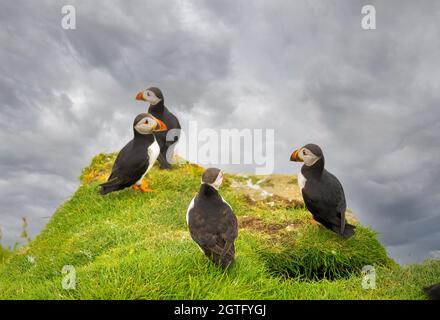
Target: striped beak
{"x": 161, "y": 126}
{"x": 295, "y": 156}
{"x": 140, "y": 96}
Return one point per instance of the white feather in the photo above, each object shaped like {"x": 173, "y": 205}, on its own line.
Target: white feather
{"x": 151, "y": 97}
{"x": 301, "y": 181}
{"x": 191, "y": 205}
{"x": 153, "y": 154}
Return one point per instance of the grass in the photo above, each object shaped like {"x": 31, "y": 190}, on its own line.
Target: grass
{"x": 129, "y": 245}
{"x": 4, "y": 254}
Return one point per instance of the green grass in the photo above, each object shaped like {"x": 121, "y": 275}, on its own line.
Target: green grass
{"x": 130, "y": 245}
{"x": 4, "y": 254}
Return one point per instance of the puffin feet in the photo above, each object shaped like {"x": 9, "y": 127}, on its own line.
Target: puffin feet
{"x": 313, "y": 221}
{"x": 143, "y": 187}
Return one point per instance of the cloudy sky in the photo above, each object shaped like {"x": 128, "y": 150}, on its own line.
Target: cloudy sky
{"x": 304, "y": 68}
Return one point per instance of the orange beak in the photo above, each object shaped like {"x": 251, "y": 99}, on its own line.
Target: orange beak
{"x": 295, "y": 156}
{"x": 140, "y": 96}
{"x": 161, "y": 126}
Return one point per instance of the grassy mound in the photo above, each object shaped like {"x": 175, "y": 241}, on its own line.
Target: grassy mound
{"x": 318, "y": 254}
{"x": 129, "y": 245}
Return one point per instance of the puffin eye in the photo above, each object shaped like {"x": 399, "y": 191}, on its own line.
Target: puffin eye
{"x": 304, "y": 152}
{"x": 148, "y": 93}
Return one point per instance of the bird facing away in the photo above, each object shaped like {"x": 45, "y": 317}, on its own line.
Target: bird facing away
{"x": 211, "y": 221}
{"x": 158, "y": 109}
{"x": 322, "y": 192}
{"x": 433, "y": 292}
{"x": 137, "y": 157}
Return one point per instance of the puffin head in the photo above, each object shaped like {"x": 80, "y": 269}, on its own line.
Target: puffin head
{"x": 213, "y": 177}
{"x": 309, "y": 154}
{"x": 151, "y": 95}
{"x": 145, "y": 123}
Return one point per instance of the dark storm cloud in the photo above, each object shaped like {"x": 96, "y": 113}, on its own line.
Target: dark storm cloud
{"x": 305, "y": 68}
{"x": 68, "y": 94}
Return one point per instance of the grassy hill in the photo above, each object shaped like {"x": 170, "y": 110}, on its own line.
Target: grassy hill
{"x": 130, "y": 245}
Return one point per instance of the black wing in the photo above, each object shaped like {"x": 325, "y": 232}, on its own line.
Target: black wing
{"x": 129, "y": 167}
{"x": 213, "y": 226}
{"x": 325, "y": 199}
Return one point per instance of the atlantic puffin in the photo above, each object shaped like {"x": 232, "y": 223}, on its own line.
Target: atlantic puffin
{"x": 137, "y": 157}
{"x": 433, "y": 292}
{"x": 322, "y": 192}
{"x": 211, "y": 220}
{"x": 158, "y": 109}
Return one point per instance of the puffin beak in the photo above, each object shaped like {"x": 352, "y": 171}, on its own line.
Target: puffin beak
{"x": 161, "y": 126}
{"x": 140, "y": 96}
{"x": 295, "y": 156}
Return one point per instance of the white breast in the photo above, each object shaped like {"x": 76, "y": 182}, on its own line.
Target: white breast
{"x": 191, "y": 205}
{"x": 301, "y": 181}
{"x": 153, "y": 154}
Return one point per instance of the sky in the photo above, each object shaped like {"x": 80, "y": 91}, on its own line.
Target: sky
{"x": 307, "y": 69}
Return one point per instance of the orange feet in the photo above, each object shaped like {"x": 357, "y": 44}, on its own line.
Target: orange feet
{"x": 143, "y": 187}
{"x": 313, "y": 221}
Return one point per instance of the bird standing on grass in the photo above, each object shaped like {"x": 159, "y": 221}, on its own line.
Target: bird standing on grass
{"x": 211, "y": 221}
{"x": 322, "y": 192}
{"x": 136, "y": 159}
{"x": 157, "y": 108}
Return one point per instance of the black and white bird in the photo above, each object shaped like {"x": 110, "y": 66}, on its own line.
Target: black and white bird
{"x": 322, "y": 192}
{"x": 211, "y": 220}
{"x": 136, "y": 159}
{"x": 158, "y": 109}
{"x": 433, "y": 292}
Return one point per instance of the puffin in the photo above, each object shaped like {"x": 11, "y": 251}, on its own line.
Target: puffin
{"x": 211, "y": 220}
{"x": 158, "y": 109}
{"x": 322, "y": 192}
{"x": 137, "y": 157}
{"x": 433, "y": 292}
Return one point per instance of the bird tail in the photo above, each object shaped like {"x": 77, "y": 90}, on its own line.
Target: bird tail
{"x": 111, "y": 185}
{"x": 348, "y": 231}
{"x": 223, "y": 257}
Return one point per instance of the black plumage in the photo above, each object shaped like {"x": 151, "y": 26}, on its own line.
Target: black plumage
{"x": 160, "y": 111}
{"x": 433, "y": 292}
{"x": 136, "y": 157}
{"x": 322, "y": 192}
{"x": 212, "y": 222}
